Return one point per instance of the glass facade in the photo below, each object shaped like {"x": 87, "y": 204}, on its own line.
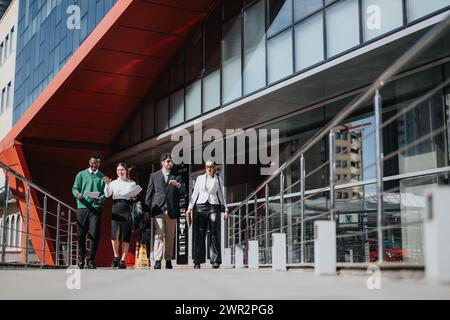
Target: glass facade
{"x": 242, "y": 47}
{"x": 415, "y": 143}
{"x": 45, "y": 42}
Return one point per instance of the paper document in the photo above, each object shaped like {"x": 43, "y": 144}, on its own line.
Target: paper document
{"x": 133, "y": 192}
{"x": 93, "y": 195}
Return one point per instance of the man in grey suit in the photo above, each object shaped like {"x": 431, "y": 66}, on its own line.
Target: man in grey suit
{"x": 163, "y": 199}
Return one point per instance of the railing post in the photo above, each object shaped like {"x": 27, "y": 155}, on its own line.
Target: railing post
{"x": 331, "y": 143}
{"x": 77, "y": 251}
{"x": 255, "y": 232}
{"x": 302, "y": 208}
{"x": 379, "y": 172}
{"x": 44, "y": 225}
{"x": 239, "y": 227}
{"x": 5, "y": 214}
{"x": 247, "y": 222}
{"x": 27, "y": 224}
{"x": 58, "y": 223}
{"x": 69, "y": 238}
{"x": 266, "y": 224}
{"x": 281, "y": 201}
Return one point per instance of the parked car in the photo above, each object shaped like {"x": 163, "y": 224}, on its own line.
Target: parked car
{"x": 393, "y": 252}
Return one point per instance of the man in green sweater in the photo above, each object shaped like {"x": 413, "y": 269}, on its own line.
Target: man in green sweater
{"x": 88, "y": 189}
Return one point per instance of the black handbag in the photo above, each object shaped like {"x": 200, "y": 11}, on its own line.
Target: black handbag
{"x": 137, "y": 214}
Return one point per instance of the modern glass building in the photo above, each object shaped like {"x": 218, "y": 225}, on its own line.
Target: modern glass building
{"x": 46, "y": 42}
{"x": 288, "y": 65}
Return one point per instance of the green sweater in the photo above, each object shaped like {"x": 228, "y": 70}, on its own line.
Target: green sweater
{"x": 87, "y": 182}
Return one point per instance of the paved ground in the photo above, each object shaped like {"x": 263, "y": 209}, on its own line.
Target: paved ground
{"x": 203, "y": 284}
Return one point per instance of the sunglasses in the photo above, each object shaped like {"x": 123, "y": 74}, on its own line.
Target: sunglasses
{"x": 210, "y": 167}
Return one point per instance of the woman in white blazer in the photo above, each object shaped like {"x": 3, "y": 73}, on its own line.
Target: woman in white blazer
{"x": 209, "y": 200}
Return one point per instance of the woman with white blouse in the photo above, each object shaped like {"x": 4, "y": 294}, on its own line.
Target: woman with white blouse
{"x": 208, "y": 198}
{"x": 121, "y": 224}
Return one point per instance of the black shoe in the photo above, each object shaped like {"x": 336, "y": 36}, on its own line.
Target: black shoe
{"x": 157, "y": 265}
{"x": 92, "y": 265}
{"x": 81, "y": 264}
{"x": 169, "y": 264}
{"x": 216, "y": 266}
{"x": 122, "y": 264}
{"x": 196, "y": 266}
{"x": 115, "y": 262}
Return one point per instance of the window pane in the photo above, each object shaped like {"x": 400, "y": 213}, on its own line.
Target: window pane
{"x": 381, "y": 16}
{"x": 342, "y": 26}
{"x": 212, "y": 39}
{"x": 177, "y": 108}
{"x": 255, "y": 49}
{"x": 279, "y": 50}
{"x": 231, "y": 86}
{"x": 162, "y": 115}
{"x": 420, "y": 8}
{"x": 149, "y": 118}
{"x": 211, "y": 91}
{"x": 280, "y": 15}
{"x": 193, "y": 100}
{"x": 177, "y": 73}
{"x": 231, "y": 8}
{"x": 194, "y": 55}
{"x": 309, "y": 42}
{"x": 162, "y": 88}
{"x": 304, "y": 8}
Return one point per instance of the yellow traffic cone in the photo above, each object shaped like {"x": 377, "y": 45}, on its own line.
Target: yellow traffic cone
{"x": 143, "y": 262}
{"x": 136, "y": 256}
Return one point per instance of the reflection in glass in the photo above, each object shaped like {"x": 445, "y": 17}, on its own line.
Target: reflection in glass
{"x": 419, "y": 8}
{"x": 304, "y": 8}
{"x": 231, "y": 61}
{"x": 381, "y": 16}
{"x": 193, "y": 100}
{"x": 177, "y": 108}
{"x": 279, "y": 50}
{"x": 309, "y": 46}
{"x": 254, "y": 48}
{"x": 342, "y": 26}
{"x": 211, "y": 91}
{"x": 280, "y": 15}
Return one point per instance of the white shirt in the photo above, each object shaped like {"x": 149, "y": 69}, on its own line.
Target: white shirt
{"x": 207, "y": 190}
{"x": 92, "y": 172}
{"x": 118, "y": 189}
{"x": 165, "y": 174}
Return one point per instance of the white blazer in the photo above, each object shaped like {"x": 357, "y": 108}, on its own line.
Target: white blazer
{"x": 202, "y": 194}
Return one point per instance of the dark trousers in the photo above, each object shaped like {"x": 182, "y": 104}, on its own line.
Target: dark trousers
{"x": 207, "y": 215}
{"x": 88, "y": 221}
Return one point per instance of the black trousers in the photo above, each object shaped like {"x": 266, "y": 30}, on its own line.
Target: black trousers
{"x": 88, "y": 221}
{"x": 207, "y": 215}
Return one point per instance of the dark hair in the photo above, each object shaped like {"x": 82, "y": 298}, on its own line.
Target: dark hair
{"x": 165, "y": 156}
{"x": 95, "y": 156}
{"x": 125, "y": 166}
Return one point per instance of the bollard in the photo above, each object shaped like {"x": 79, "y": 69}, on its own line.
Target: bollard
{"x": 279, "y": 252}
{"x": 436, "y": 235}
{"x": 324, "y": 247}
{"x": 253, "y": 255}
{"x": 238, "y": 257}
{"x": 227, "y": 257}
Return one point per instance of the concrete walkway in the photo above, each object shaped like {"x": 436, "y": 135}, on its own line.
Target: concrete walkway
{"x": 183, "y": 284}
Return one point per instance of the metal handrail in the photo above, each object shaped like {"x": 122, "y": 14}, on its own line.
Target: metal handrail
{"x": 45, "y": 226}
{"x": 34, "y": 185}
{"x": 424, "y": 42}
